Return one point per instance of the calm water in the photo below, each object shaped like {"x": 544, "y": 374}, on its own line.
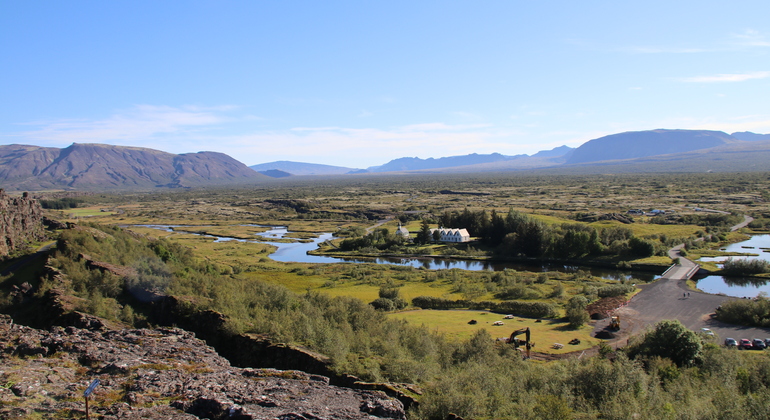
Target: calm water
{"x": 728, "y": 285}
{"x": 298, "y": 252}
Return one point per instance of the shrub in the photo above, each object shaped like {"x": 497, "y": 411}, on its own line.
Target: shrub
{"x": 576, "y": 311}
{"x": 745, "y": 267}
{"x": 672, "y": 340}
{"x": 614, "y": 290}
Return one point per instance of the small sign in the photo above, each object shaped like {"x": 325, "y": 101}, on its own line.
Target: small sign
{"x": 91, "y": 388}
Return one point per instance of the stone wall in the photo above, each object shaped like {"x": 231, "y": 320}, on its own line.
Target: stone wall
{"x": 21, "y": 222}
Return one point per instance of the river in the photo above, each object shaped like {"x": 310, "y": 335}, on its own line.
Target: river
{"x": 759, "y": 245}
{"x": 298, "y": 252}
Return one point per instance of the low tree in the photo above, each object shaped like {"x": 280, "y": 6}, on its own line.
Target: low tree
{"x": 576, "y": 311}
{"x": 672, "y": 340}
{"x": 423, "y": 236}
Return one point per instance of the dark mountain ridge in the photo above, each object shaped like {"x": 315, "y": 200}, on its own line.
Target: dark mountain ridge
{"x": 638, "y": 144}
{"x": 100, "y": 166}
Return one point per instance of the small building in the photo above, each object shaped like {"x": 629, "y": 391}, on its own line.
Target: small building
{"x": 452, "y": 235}
{"x": 402, "y": 231}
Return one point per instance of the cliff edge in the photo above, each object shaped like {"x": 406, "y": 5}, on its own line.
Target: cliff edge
{"x": 160, "y": 373}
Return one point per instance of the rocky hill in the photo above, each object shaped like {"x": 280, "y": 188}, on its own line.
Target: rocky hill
{"x": 21, "y": 222}
{"x": 100, "y": 167}
{"x": 160, "y": 373}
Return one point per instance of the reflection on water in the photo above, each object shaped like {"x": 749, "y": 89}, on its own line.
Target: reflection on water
{"x": 739, "y": 286}
{"x": 298, "y": 252}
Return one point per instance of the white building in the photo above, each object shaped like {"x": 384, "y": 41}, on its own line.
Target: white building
{"x": 452, "y": 235}
{"x": 403, "y": 231}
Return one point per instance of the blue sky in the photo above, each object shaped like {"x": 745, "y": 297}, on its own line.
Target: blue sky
{"x": 359, "y": 83}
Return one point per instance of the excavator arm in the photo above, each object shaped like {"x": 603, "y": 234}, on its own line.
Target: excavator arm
{"x": 517, "y": 342}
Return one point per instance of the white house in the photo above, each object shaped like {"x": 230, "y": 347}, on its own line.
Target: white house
{"x": 402, "y": 231}
{"x": 452, "y": 235}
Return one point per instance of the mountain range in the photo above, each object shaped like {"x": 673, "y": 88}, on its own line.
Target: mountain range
{"x": 629, "y": 148}
{"x": 103, "y": 167}
{"x": 100, "y": 167}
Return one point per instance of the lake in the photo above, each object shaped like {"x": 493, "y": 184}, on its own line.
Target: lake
{"x": 298, "y": 252}
{"x": 736, "y": 286}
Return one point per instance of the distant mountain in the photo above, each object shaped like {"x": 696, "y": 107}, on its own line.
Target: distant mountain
{"x": 741, "y": 156}
{"x": 414, "y": 164}
{"x": 555, "y": 152}
{"x": 638, "y": 144}
{"x": 275, "y": 173}
{"x": 101, "y": 167}
{"x": 299, "y": 168}
{"x": 749, "y": 136}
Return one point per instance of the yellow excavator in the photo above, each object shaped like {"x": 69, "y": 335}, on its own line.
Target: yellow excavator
{"x": 517, "y": 342}
{"x": 614, "y": 323}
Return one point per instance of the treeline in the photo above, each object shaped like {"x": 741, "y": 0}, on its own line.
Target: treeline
{"x": 719, "y": 220}
{"x": 754, "y": 313}
{"x": 743, "y": 267}
{"x": 525, "y": 309}
{"x": 379, "y": 239}
{"x": 519, "y": 235}
{"x": 60, "y": 203}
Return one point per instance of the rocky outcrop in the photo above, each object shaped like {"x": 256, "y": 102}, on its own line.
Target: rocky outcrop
{"x": 21, "y": 222}
{"x": 252, "y": 350}
{"x": 160, "y": 373}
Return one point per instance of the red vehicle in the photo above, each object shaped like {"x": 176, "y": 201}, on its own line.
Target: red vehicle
{"x": 745, "y": 344}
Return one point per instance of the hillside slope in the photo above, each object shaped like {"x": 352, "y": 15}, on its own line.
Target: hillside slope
{"x": 638, "y": 144}
{"x": 300, "y": 168}
{"x": 100, "y": 166}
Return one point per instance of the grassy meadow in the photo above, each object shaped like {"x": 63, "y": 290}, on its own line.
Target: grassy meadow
{"x": 309, "y": 207}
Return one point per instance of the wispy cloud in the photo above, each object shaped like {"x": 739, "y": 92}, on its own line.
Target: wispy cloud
{"x": 662, "y": 50}
{"x": 135, "y": 126}
{"x": 750, "y": 38}
{"x": 727, "y": 77}
{"x": 747, "y": 39}
{"x": 363, "y": 147}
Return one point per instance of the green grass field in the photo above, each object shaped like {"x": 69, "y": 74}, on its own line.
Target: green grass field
{"x": 454, "y": 325}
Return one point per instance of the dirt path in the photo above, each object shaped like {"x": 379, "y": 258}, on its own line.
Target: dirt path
{"x": 670, "y": 298}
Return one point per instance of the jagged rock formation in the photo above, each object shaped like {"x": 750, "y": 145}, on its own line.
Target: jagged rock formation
{"x": 161, "y": 373}
{"x": 21, "y": 221}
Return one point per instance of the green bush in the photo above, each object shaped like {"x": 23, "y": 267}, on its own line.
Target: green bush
{"x": 614, "y": 290}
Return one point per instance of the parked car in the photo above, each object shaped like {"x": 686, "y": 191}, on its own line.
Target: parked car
{"x": 730, "y": 342}
{"x": 745, "y": 344}
{"x": 707, "y": 331}
{"x": 767, "y": 342}
{"x": 759, "y": 344}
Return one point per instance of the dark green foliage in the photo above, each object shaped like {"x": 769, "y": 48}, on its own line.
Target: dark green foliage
{"x": 614, "y": 290}
{"x": 389, "y": 299}
{"x": 710, "y": 219}
{"x": 424, "y": 236}
{"x": 640, "y": 247}
{"x": 576, "y": 311}
{"x": 672, "y": 340}
{"x": 735, "y": 267}
{"x": 527, "y": 309}
{"x": 519, "y": 235}
{"x": 60, "y": 203}
{"x": 380, "y": 239}
{"x": 754, "y": 313}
